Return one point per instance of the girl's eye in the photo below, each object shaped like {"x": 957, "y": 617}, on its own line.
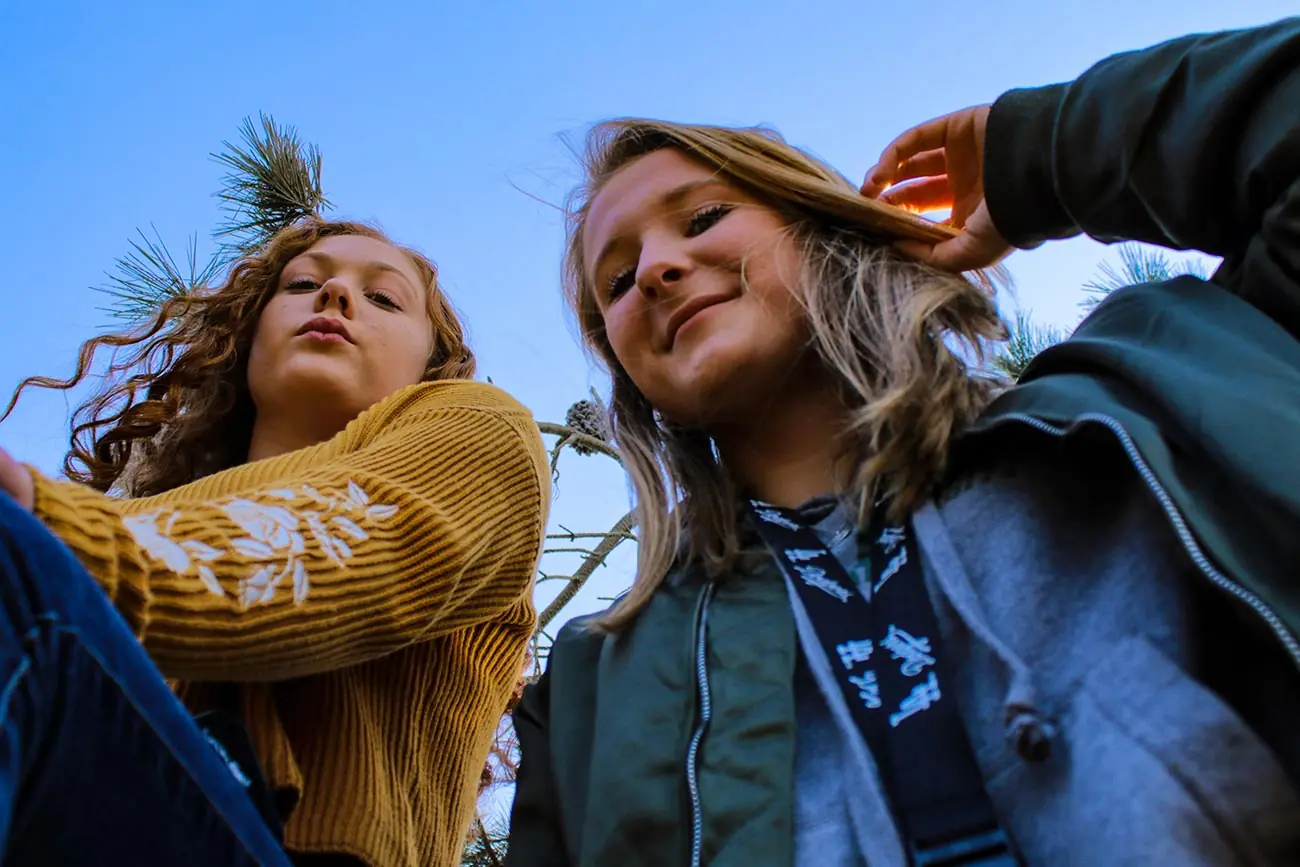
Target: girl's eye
{"x": 705, "y": 218}
{"x": 383, "y": 299}
{"x": 701, "y": 221}
{"x": 301, "y": 284}
{"x": 620, "y": 283}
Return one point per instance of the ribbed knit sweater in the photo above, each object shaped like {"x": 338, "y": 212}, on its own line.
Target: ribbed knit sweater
{"x": 370, "y": 596}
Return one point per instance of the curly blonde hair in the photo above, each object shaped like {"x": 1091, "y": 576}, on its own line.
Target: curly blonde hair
{"x": 898, "y": 336}
{"x": 177, "y": 407}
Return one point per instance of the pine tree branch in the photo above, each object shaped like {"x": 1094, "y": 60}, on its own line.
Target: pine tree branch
{"x": 1138, "y": 263}
{"x": 149, "y": 275}
{"x": 569, "y": 437}
{"x": 1025, "y": 341}
{"x": 482, "y": 847}
{"x": 273, "y": 180}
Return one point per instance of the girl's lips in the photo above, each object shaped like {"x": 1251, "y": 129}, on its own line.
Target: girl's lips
{"x": 326, "y": 325}
{"x": 324, "y": 336}
{"x": 689, "y": 310}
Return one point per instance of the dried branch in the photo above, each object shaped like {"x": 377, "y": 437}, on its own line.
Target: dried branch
{"x": 616, "y": 535}
{"x": 568, "y": 437}
{"x": 571, "y": 536}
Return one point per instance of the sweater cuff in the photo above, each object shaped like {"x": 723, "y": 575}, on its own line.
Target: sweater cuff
{"x": 1019, "y": 167}
{"x": 85, "y": 521}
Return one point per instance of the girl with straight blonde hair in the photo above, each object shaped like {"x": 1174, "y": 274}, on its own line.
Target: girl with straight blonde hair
{"x": 890, "y": 610}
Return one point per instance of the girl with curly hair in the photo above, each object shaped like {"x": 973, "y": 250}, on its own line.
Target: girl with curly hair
{"x": 291, "y": 499}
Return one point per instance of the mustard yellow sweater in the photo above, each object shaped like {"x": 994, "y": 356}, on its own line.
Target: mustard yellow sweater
{"x": 371, "y": 596}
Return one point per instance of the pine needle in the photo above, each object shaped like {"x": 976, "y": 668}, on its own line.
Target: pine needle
{"x": 1138, "y": 264}
{"x": 149, "y": 275}
{"x": 274, "y": 179}
{"x": 1024, "y": 343}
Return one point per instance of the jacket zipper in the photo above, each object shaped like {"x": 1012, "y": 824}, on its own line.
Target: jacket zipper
{"x": 706, "y": 713}
{"x": 1288, "y": 639}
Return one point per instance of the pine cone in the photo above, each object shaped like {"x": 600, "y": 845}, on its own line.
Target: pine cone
{"x": 589, "y": 417}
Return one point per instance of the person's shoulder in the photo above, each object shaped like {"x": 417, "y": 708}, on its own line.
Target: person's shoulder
{"x": 452, "y": 394}
{"x": 583, "y": 631}
{"x": 481, "y": 418}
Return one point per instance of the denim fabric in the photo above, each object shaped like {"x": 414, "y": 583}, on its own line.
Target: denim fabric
{"x": 100, "y": 764}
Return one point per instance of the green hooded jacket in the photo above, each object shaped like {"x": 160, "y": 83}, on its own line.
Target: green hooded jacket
{"x": 1193, "y": 144}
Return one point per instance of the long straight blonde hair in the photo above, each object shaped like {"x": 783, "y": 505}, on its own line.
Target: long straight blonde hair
{"x": 893, "y": 332}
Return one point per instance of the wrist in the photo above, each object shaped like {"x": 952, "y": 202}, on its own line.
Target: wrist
{"x": 1019, "y": 155}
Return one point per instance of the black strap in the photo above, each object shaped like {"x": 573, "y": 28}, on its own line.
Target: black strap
{"x": 227, "y": 734}
{"x": 884, "y": 646}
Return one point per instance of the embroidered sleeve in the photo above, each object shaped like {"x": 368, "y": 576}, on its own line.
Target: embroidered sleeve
{"x": 273, "y": 550}
{"x": 433, "y": 525}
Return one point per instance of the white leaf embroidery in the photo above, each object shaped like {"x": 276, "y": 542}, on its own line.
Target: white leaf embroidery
{"x": 273, "y": 525}
{"x": 359, "y": 497}
{"x": 300, "y": 585}
{"x": 347, "y": 525}
{"x": 144, "y": 529}
{"x": 253, "y": 549}
{"x": 257, "y": 588}
{"x": 209, "y": 579}
{"x": 318, "y": 532}
{"x": 275, "y": 540}
{"x": 200, "y": 550}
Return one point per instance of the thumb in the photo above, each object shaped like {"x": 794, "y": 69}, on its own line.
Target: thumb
{"x": 16, "y": 481}
{"x": 979, "y": 245}
{"x": 961, "y": 253}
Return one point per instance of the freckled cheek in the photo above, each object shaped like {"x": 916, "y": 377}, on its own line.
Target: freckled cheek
{"x": 269, "y": 327}
{"x": 406, "y": 353}
{"x": 628, "y": 341}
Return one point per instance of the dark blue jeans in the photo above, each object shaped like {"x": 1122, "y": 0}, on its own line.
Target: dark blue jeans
{"x": 100, "y": 764}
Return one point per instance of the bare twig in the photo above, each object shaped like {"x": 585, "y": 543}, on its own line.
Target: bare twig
{"x": 572, "y": 537}
{"x": 616, "y": 535}
{"x": 568, "y": 436}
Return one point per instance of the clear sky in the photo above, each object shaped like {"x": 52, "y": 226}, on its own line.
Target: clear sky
{"x": 442, "y": 122}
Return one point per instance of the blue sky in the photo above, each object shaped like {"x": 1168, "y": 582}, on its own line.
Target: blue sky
{"x": 442, "y": 122}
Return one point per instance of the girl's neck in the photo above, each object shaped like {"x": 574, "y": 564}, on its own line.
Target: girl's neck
{"x": 273, "y": 436}
{"x": 792, "y": 452}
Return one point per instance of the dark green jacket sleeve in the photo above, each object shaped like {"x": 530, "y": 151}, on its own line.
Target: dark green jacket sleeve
{"x": 535, "y": 834}
{"x": 1192, "y": 144}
